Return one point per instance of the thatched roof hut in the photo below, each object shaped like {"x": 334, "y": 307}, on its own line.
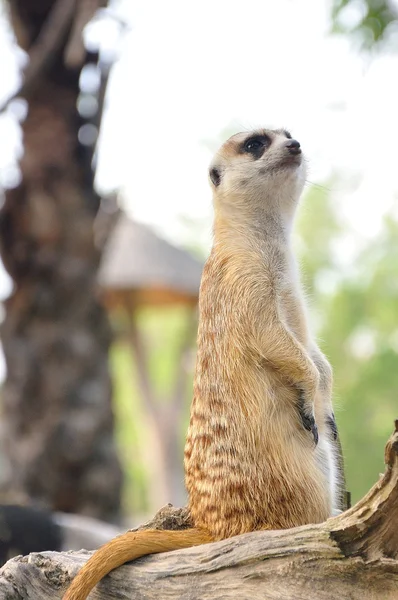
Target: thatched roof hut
{"x": 140, "y": 268}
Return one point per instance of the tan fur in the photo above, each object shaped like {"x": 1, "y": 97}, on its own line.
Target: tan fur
{"x": 249, "y": 462}
{"x": 126, "y": 547}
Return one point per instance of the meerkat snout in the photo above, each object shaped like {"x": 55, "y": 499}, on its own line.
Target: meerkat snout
{"x": 293, "y": 147}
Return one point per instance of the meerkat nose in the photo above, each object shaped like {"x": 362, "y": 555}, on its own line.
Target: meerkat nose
{"x": 293, "y": 147}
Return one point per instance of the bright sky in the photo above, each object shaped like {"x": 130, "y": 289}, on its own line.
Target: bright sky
{"x": 188, "y": 70}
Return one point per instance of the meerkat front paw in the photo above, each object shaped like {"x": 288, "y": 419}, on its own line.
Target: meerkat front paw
{"x": 307, "y": 417}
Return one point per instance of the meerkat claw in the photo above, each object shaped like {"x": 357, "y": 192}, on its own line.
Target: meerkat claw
{"x": 310, "y": 425}
{"x": 331, "y": 421}
{"x": 307, "y": 420}
{"x": 315, "y": 434}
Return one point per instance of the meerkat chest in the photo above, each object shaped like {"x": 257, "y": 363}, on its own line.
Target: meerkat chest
{"x": 291, "y": 302}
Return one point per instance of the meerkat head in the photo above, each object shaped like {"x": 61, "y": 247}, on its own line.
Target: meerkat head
{"x": 259, "y": 170}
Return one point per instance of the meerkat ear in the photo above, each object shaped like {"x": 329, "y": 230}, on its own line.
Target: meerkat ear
{"x": 215, "y": 176}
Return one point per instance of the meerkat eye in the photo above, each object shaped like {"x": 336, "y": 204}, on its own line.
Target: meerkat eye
{"x": 252, "y": 145}
{"x": 256, "y": 145}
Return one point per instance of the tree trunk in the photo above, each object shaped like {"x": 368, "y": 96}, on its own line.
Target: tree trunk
{"x": 353, "y": 557}
{"x": 57, "y": 422}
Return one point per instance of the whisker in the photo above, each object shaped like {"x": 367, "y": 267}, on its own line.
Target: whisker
{"x": 319, "y": 186}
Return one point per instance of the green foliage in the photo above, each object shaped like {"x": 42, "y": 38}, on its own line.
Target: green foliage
{"x": 130, "y": 434}
{"x": 362, "y": 332}
{"x": 163, "y": 331}
{"x": 358, "y": 329}
{"x": 369, "y": 22}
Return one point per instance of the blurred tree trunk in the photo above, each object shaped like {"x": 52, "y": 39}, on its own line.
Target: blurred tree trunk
{"x": 57, "y": 432}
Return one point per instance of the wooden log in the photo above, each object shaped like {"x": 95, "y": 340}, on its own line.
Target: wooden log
{"x": 353, "y": 556}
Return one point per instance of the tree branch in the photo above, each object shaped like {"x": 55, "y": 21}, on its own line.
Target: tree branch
{"x": 65, "y": 15}
{"x": 350, "y": 556}
{"x": 43, "y": 51}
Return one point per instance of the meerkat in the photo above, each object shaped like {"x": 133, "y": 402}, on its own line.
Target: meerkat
{"x": 260, "y": 450}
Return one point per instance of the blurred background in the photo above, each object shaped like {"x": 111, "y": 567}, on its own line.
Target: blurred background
{"x": 109, "y": 115}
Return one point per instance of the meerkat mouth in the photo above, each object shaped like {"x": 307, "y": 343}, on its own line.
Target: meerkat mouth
{"x": 292, "y": 160}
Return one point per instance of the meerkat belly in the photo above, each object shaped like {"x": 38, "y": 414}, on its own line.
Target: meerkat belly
{"x": 242, "y": 478}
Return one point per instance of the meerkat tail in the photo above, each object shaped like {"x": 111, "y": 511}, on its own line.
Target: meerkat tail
{"x": 127, "y": 547}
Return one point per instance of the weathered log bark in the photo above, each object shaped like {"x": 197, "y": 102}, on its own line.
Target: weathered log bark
{"x": 57, "y": 424}
{"x": 350, "y": 557}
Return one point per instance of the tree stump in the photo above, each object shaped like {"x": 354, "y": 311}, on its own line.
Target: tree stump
{"x": 349, "y": 557}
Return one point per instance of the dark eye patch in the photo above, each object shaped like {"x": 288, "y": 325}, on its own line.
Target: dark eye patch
{"x": 287, "y": 134}
{"x": 256, "y": 145}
